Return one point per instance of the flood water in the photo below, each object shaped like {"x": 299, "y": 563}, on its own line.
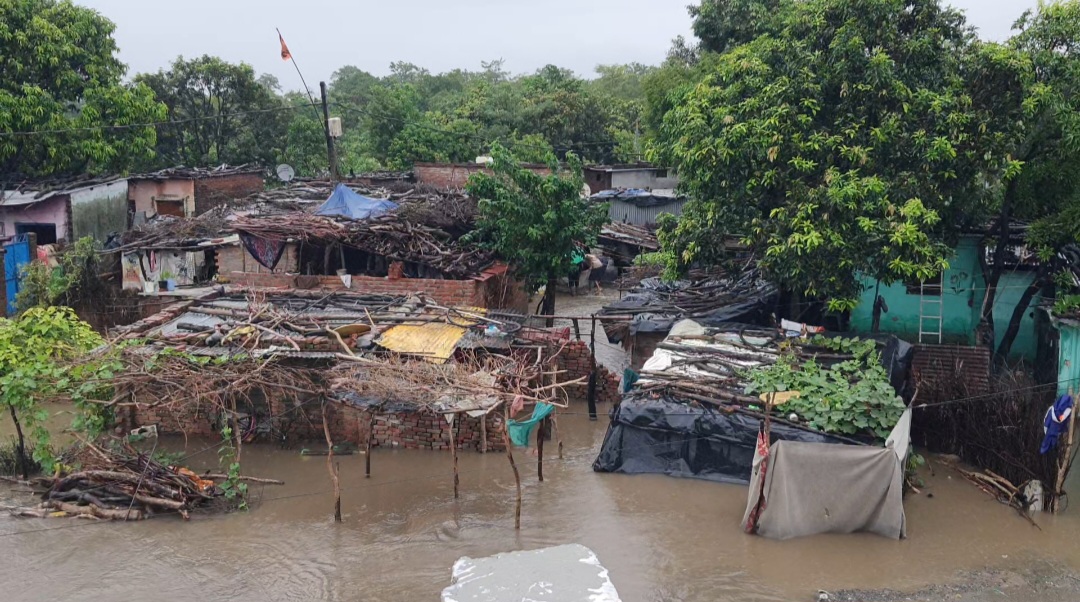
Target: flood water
{"x": 661, "y": 538}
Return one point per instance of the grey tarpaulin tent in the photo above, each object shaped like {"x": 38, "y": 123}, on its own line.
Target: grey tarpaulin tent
{"x": 814, "y": 488}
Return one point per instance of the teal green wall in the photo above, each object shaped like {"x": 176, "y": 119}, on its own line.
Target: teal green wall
{"x": 958, "y": 284}
{"x": 1011, "y": 288}
{"x": 1068, "y": 355}
{"x": 963, "y": 289}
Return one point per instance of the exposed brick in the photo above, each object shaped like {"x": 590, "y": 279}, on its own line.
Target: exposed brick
{"x": 935, "y": 365}
{"x": 456, "y": 175}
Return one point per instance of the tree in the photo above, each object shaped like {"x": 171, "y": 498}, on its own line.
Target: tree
{"x": 32, "y": 349}
{"x": 723, "y": 25}
{"x": 535, "y": 222}
{"x": 223, "y": 114}
{"x": 62, "y": 80}
{"x": 1039, "y": 116}
{"x": 841, "y": 147}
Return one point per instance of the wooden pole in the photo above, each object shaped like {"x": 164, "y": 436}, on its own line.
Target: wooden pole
{"x": 577, "y": 328}
{"x": 1063, "y": 463}
{"x": 331, "y": 152}
{"x": 330, "y": 465}
{"x": 367, "y": 445}
{"x": 592, "y": 370}
{"x": 513, "y": 465}
{"x": 558, "y": 437}
{"x": 540, "y": 434}
{"x": 453, "y": 450}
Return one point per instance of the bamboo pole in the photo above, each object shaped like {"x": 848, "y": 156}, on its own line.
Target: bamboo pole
{"x": 330, "y": 465}
{"x": 367, "y": 445}
{"x": 540, "y": 450}
{"x": 453, "y": 450}
{"x": 510, "y": 456}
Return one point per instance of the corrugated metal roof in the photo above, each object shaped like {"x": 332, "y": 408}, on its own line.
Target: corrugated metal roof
{"x": 618, "y": 211}
{"x": 434, "y": 341}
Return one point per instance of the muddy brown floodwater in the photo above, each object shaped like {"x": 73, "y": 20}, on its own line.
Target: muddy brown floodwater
{"x": 662, "y": 538}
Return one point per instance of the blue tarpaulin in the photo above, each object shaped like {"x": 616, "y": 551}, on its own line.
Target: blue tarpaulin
{"x": 345, "y": 202}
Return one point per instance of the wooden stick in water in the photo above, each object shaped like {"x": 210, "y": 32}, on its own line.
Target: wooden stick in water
{"x": 510, "y": 456}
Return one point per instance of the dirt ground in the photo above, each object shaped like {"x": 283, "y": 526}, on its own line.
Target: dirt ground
{"x": 1030, "y": 581}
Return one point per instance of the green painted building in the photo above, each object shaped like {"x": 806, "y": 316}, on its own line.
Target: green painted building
{"x": 951, "y": 305}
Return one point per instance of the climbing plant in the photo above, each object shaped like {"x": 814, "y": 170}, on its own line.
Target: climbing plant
{"x": 848, "y": 397}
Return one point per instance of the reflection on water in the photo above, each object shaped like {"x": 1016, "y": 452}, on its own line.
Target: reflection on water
{"x": 661, "y": 538}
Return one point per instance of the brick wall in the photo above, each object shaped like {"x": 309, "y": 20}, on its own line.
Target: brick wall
{"x": 575, "y": 360}
{"x": 456, "y": 175}
{"x": 218, "y": 190}
{"x": 303, "y": 423}
{"x": 938, "y": 367}
{"x": 235, "y": 258}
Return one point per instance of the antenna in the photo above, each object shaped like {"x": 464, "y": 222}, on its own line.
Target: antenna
{"x": 285, "y": 172}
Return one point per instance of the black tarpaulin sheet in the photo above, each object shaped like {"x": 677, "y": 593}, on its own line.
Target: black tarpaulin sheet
{"x": 664, "y": 436}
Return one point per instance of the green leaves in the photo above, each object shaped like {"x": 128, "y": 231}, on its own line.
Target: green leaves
{"x": 805, "y": 137}
{"x": 534, "y": 221}
{"x": 34, "y": 350}
{"x": 62, "y": 79}
{"x": 847, "y": 397}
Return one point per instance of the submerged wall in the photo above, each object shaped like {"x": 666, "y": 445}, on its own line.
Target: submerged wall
{"x": 297, "y": 421}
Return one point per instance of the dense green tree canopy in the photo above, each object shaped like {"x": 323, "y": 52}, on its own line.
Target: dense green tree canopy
{"x": 61, "y": 79}
{"x": 838, "y": 145}
{"x": 223, "y": 114}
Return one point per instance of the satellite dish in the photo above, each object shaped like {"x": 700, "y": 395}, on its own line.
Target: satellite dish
{"x": 285, "y": 172}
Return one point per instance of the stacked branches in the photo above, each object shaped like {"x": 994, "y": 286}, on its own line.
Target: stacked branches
{"x": 120, "y": 483}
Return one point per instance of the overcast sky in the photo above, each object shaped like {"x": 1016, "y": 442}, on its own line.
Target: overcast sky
{"x": 439, "y": 35}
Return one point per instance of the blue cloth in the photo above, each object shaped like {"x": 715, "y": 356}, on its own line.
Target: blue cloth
{"x": 1056, "y": 423}
{"x": 345, "y": 202}
{"x": 520, "y": 431}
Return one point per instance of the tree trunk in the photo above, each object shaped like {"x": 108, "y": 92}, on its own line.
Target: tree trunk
{"x": 875, "y": 324}
{"x": 20, "y": 450}
{"x": 985, "y": 329}
{"x": 549, "y": 300}
{"x": 1014, "y": 322}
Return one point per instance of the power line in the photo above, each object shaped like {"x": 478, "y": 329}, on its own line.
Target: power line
{"x": 124, "y": 126}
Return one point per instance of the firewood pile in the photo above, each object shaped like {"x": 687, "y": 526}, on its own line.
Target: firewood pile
{"x": 115, "y": 481}
{"x": 166, "y": 231}
{"x": 390, "y": 236}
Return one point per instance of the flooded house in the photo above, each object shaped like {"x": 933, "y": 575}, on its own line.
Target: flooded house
{"x": 691, "y": 414}
{"x": 380, "y": 370}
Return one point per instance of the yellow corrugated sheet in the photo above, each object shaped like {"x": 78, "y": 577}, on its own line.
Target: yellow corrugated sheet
{"x": 434, "y": 341}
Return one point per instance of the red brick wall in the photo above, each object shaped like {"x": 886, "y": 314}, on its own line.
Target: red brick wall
{"x": 575, "y": 360}
{"x": 236, "y": 258}
{"x": 220, "y": 190}
{"x": 456, "y": 175}
{"x": 935, "y": 366}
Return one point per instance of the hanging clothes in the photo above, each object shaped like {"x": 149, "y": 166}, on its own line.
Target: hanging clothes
{"x": 1056, "y": 422}
{"x": 266, "y": 252}
{"x": 521, "y": 430}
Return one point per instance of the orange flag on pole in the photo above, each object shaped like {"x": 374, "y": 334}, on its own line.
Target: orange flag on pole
{"x": 285, "y": 54}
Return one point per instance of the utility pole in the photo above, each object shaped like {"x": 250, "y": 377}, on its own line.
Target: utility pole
{"x": 331, "y": 152}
